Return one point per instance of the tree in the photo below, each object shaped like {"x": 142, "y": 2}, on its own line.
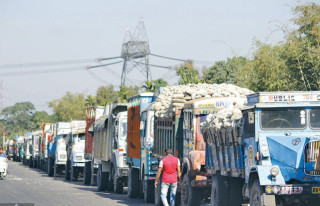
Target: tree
{"x": 91, "y": 101}
{"x": 105, "y": 95}
{"x": 160, "y": 83}
{"x": 17, "y": 119}
{"x": 148, "y": 86}
{"x": 70, "y": 106}
{"x": 225, "y": 71}
{"x": 125, "y": 92}
{"x": 40, "y": 117}
{"x": 188, "y": 74}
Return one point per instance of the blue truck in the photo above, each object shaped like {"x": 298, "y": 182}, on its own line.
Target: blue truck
{"x": 270, "y": 156}
{"x": 142, "y": 165}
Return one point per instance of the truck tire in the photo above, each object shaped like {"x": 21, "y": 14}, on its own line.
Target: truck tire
{"x": 149, "y": 191}
{"x": 30, "y": 162}
{"x": 133, "y": 183}
{"x": 2, "y": 175}
{"x": 74, "y": 174}
{"x": 112, "y": 176}
{"x": 219, "y": 191}
{"x": 118, "y": 185}
{"x": 235, "y": 197}
{"x": 87, "y": 173}
{"x": 189, "y": 195}
{"x": 102, "y": 178}
{"x": 50, "y": 164}
{"x": 259, "y": 198}
{"x": 67, "y": 171}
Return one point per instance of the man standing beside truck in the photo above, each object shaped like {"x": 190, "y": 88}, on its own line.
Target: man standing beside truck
{"x": 170, "y": 165}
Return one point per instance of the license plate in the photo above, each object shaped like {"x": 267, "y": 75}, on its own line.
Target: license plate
{"x": 316, "y": 190}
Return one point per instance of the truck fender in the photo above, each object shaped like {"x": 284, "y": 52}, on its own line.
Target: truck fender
{"x": 105, "y": 166}
{"x": 186, "y": 167}
{"x": 114, "y": 162}
{"x": 252, "y": 177}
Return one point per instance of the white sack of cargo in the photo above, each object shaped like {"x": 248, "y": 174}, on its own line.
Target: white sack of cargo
{"x": 176, "y": 96}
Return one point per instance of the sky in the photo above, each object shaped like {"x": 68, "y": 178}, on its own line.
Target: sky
{"x": 76, "y": 33}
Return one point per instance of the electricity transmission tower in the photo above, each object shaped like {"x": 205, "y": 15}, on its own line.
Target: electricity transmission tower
{"x": 135, "y": 52}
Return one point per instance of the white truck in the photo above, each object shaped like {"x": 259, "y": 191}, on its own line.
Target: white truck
{"x": 26, "y": 147}
{"x": 110, "y": 141}
{"x": 75, "y": 150}
{"x": 34, "y": 149}
{"x": 57, "y": 149}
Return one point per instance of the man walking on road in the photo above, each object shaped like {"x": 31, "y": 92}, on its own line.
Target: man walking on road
{"x": 170, "y": 166}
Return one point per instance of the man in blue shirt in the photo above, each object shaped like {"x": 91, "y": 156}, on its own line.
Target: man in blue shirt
{"x": 2, "y": 154}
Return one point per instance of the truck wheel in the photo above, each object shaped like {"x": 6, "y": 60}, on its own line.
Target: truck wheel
{"x": 112, "y": 177}
{"x": 102, "y": 178}
{"x": 87, "y": 173}
{"x": 189, "y": 195}
{"x": 219, "y": 191}
{"x": 148, "y": 191}
{"x": 259, "y": 198}
{"x": 50, "y": 171}
{"x": 2, "y": 175}
{"x": 74, "y": 174}
{"x": 30, "y": 162}
{"x": 133, "y": 183}
{"x": 235, "y": 185}
{"x": 118, "y": 185}
{"x": 67, "y": 170}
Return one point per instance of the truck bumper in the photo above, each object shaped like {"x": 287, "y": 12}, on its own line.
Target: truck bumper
{"x": 123, "y": 172}
{"x": 78, "y": 164}
{"x": 294, "y": 189}
{"x": 201, "y": 183}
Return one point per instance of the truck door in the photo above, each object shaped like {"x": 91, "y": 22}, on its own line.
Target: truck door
{"x": 188, "y": 133}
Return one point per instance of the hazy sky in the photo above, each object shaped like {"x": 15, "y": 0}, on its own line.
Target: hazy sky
{"x": 33, "y": 31}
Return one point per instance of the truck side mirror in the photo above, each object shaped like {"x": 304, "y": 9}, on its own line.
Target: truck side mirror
{"x": 251, "y": 117}
{"x": 142, "y": 125}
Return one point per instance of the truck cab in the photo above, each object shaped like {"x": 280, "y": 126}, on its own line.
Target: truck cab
{"x": 57, "y": 148}
{"x": 75, "y": 150}
{"x": 46, "y": 132}
{"x": 110, "y": 142}
{"x": 282, "y": 145}
{"x": 36, "y": 135}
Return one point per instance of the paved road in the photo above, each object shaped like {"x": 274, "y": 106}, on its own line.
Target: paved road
{"x": 28, "y": 185}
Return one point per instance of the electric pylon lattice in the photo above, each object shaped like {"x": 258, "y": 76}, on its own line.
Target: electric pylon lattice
{"x": 135, "y": 52}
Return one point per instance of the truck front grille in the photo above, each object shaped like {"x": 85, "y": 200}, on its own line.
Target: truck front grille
{"x": 312, "y": 158}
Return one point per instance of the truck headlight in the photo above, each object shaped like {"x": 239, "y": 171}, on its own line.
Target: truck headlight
{"x": 274, "y": 171}
{"x": 63, "y": 156}
{"x": 78, "y": 158}
{"x": 154, "y": 167}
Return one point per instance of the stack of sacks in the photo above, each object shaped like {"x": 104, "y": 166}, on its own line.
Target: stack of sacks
{"x": 176, "y": 96}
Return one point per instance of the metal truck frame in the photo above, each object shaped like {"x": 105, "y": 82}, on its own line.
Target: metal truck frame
{"x": 90, "y": 169}
{"x": 57, "y": 157}
{"x": 75, "y": 151}
{"x": 43, "y": 147}
{"x": 272, "y": 156}
{"x": 110, "y": 148}
{"x": 143, "y": 166}
{"x": 34, "y": 149}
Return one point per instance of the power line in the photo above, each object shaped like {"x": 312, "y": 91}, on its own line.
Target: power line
{"x": 153, "y": 65}
{"x": 157, "y": 55}
{"x": 49, "y": 63}
{"x": 108, "y": 58}
{"x": 6, "y": 74}
{"x": 103, "y": 65}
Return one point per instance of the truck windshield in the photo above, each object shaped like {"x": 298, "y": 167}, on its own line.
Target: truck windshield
{"x": 283, "y": 118}
{"x": 123, "y": 129}
{"x": 202, "y": 119}
{"x": 82, "y": 136}
{"x": 315, "y": 118}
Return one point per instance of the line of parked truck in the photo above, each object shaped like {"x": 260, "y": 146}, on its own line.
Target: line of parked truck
{"x": 258, "y": 148}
